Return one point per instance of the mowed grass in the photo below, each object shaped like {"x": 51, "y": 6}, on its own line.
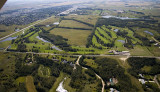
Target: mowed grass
{"x": 30, "y": 84}
{"x": 75, "y": 37}
{"x": 44, "y": 71}
{"x": 20, "y": 80}
{"x": 91, "y": 19}
{"x": 73, "y": 24}
{"x": 140, "y": 51}
{"x": 91, "y": 63}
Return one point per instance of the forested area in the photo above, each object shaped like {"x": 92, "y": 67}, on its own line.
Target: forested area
{"x": 108, "y": 68}
{"x": 138, "y": 63}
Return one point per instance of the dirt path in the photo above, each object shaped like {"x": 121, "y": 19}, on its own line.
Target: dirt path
{"x": 156, "y": 81}
{"x": 77, "y": 63}
{"x": 103, "y": 84}
{"x": 155, "y": 40}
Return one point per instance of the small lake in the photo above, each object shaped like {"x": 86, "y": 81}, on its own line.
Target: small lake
{"x": 122, "y": 41}
{"x": 43, "y": 39}
{"x": 148, "y": 32}
{"x": 56, "y": 23}
{"x": 53, "y": 47}
{"x": 61, "y": 88}
{"x": 116, "y": 30}
{"x": 123, "y": 18}
{"x": 8, "y": 39}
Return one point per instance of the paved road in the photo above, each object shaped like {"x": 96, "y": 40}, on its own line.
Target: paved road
{"x": 24, "y": 28}
{"x": 80, "y": 55}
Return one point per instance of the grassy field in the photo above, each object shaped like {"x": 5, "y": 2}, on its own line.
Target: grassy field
{"x": 30, "y": 84}
{"x": 75, "y": 37}
{"x": 50, "y": 21}
{"x": 140, "y": 51}
{"x": 90, "y": 62}
{"x": 7, "y": 62}
{"x": 20, "y": 80}
{"x": 58, "y": 80}
{"x": 73, "y": 24}
{"x": 44, "y": 71}
{"x": 91, "y": 19}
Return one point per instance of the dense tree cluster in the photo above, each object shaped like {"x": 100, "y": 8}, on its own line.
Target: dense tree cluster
{"x": 138, "y": 63}
{"x": 109, "y": 68}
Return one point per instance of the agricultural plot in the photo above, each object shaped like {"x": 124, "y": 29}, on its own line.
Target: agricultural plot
{"x": 75, "y": 37}
{"x": 85, "y": 18}
{"x": 30, "y": 84}
{"x": 73, "y": 24}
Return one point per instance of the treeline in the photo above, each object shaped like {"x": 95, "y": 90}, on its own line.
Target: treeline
{"x": 2, "y": 30}
{"x": 79, "y": 21}
{"x": 56, "y": 40}
{"x": 108, "y": 68}
{"x": 76, "y": 28}
{"x": 142, "y": 23}
{"x": 145, "y": 41}
{"x": 137, "y": 64}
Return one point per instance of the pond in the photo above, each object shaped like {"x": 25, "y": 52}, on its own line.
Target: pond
{"x": 122, "y": 41}
{"x": 60, "y": 87}
{"x": 123, "y": 18}
{"x": 116, "y": 30}
{"x": 53, "y": 47}
{"x": 8, "y": 39}
{"x": 56, "y": 23}
{"x": 148, "y": 32}
{"x": 43, "y": 39}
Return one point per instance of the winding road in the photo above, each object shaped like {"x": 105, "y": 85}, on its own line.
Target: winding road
{"x": 99, "y": 77}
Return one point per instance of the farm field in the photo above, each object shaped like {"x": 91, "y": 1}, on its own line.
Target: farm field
{"x": 75, "y": 37}
{"x": 91, "y": 19}
{"x": 30, "y": 84}
{"x": 73, "y": 24}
